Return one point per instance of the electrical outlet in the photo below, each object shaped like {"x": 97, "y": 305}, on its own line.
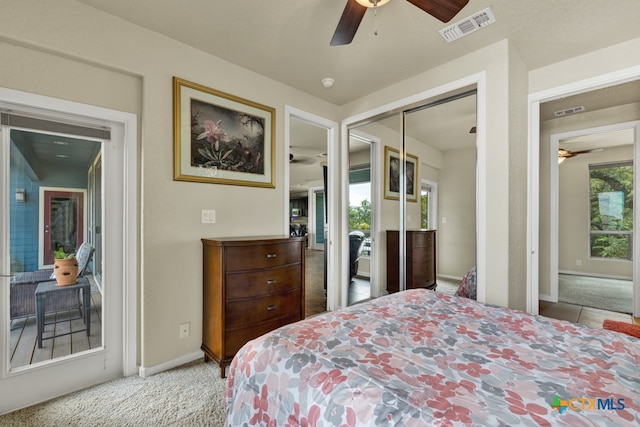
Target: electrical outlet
{"x": 578, "y": 262}
{"x": 208, "y": 216}
{"x": 184, "y": 330}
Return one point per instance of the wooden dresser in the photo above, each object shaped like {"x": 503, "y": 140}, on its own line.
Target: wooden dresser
{"x": 251, "y": 285}
{"x": 420, "y": 256}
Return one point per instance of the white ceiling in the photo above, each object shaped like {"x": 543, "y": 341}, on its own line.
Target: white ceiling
{"x": 288, "y": 40}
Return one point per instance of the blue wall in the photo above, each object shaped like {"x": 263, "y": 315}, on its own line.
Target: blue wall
{"x": 23, "y": 221}
{"x": 23, "y": 225}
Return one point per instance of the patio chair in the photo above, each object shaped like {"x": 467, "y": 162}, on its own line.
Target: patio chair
{"x": 23, "y": 285}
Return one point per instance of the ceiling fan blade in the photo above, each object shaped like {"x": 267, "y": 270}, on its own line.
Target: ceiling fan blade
{"x": 349, "y": 23}
{"x": 444, "y": 10}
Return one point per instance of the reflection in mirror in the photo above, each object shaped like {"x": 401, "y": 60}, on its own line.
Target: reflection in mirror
{"x": 54, "y": 181}
{"x": 439, "y": 213}
{"x": 360, "y": 219}
{"x": 307, "y": 208}
{"x": 441, "y": 135}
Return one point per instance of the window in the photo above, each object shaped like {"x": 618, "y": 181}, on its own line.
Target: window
{"x": 360, "y": 204}
{"x": 428, "y": 206}
{"x": 611, "y": 210}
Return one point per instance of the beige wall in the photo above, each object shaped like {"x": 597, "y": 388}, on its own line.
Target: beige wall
{"x": 457, "y": 203}
{"x": 71, "y": 51}
{"x": 494, "y": 62}
{"x": 619, "y": 114}
{"x": 573, "y": 216}
{"x": 613, "y": 59}
{"x": 68, "y": 50}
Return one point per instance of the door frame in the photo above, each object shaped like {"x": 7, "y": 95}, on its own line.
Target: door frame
{"x": 376, "y": 207}
{"x": 333, "y": 255}
{"x": 554, "y": 211}
{"x": 533, "y": 180}
{"x": 42, "y": 214}
{"x": 123, "y": 258}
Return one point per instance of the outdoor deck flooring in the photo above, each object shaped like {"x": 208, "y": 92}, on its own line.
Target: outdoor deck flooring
{"x": 24, "y": 343}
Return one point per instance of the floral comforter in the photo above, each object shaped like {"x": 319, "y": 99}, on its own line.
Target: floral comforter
{"x": 421, "y": 358}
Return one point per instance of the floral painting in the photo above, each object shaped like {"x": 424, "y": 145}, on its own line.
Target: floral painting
{"x": 220, "y": 138}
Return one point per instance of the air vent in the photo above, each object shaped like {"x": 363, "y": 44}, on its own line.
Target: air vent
{"x": 468, "y": 25}
{"x": 568, "y": 111}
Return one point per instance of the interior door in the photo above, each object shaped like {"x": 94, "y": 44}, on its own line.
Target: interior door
{"x": 62, "y": 222}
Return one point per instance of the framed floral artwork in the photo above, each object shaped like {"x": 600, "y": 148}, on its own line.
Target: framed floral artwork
{"x": 392, "y": 175}
{"x": 220, "y": 138}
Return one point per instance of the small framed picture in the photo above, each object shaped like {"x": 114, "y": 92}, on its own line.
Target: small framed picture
{"x": 392, "y": 175}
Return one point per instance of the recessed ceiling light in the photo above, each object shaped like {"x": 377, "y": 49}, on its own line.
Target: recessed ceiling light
{"x": 62, "y": 156}
{"x": 328, "y": 82}
{"x": 61, "y": 142}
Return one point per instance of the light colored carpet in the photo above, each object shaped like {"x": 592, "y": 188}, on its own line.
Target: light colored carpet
{"x": 605, "y": 294}
{"x": 190, "y": 395}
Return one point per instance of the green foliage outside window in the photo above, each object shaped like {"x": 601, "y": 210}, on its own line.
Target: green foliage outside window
{"x": 611, "y": 204}
{"x": 360, "y": 216}
{"x": 424, "y": 210}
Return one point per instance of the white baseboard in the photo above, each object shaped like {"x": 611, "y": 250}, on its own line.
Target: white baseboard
{"x": 449, "y": 277}
{"x": 156, "y": 369}
{"x": 548, "y": 298}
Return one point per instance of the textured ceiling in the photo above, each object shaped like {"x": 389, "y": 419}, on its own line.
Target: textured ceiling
{"x": 288, "y": 40}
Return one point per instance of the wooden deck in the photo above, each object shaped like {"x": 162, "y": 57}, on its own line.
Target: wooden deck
{"x": 24, "y": 343}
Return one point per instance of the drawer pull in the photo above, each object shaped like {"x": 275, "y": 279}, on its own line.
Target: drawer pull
{"x": 271, "y": 308}
{"x": 271, "y": 256}
{"x": 271, "y": 282}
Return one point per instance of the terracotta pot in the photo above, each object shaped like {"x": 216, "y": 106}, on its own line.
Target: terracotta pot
{"x": 66, "y": 271}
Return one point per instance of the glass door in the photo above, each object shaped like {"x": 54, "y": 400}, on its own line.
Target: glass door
{"x": 48, "y": 178}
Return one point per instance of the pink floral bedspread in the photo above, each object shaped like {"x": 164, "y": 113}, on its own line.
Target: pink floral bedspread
{"x": 421, "y": 358}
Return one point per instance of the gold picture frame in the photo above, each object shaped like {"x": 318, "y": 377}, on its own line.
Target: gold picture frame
{"x": 220, "y": 138}
{"x": 392, "y": 175}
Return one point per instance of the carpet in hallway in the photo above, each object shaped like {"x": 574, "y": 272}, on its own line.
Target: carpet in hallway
{"x": 605, "y": 294}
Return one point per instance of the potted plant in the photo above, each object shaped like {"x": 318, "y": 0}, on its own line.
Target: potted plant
{"x": 65, "y": 267}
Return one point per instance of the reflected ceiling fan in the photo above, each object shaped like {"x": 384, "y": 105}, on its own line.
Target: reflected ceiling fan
{"x": 354, "y": 11}
{"x": 302, "y": 155}
{"x": 566, "y": 154}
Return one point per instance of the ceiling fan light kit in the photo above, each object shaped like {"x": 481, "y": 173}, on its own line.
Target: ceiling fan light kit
{"x": 443, "y": 10}
{"x": 372, "y": 3}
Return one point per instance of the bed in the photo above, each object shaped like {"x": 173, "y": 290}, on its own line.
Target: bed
{"x": 421, "y": 358}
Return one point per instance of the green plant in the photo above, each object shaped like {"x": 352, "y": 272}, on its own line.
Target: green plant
{"x": 61, "y": 254}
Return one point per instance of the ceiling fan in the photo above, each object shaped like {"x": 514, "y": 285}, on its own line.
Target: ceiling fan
{"x": 354, "y": 11}
{"x": 566, "y": 154}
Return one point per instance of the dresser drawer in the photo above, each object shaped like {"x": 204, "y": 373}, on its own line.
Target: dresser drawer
{"x": 243, "y": 258}
{"x": 236, "y": 338}
{"x": 258, "y": 310}
{"x": 263, "y": 282}
{"x": 422, "y": 240}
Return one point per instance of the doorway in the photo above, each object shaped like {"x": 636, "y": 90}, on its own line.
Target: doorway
{"x": 603, "y": 101}
{"x": 62, "y": 222}
{"x": 310, "y": 152}
{"x": 29, "y": 150}
{"x": 592, "y": 237}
